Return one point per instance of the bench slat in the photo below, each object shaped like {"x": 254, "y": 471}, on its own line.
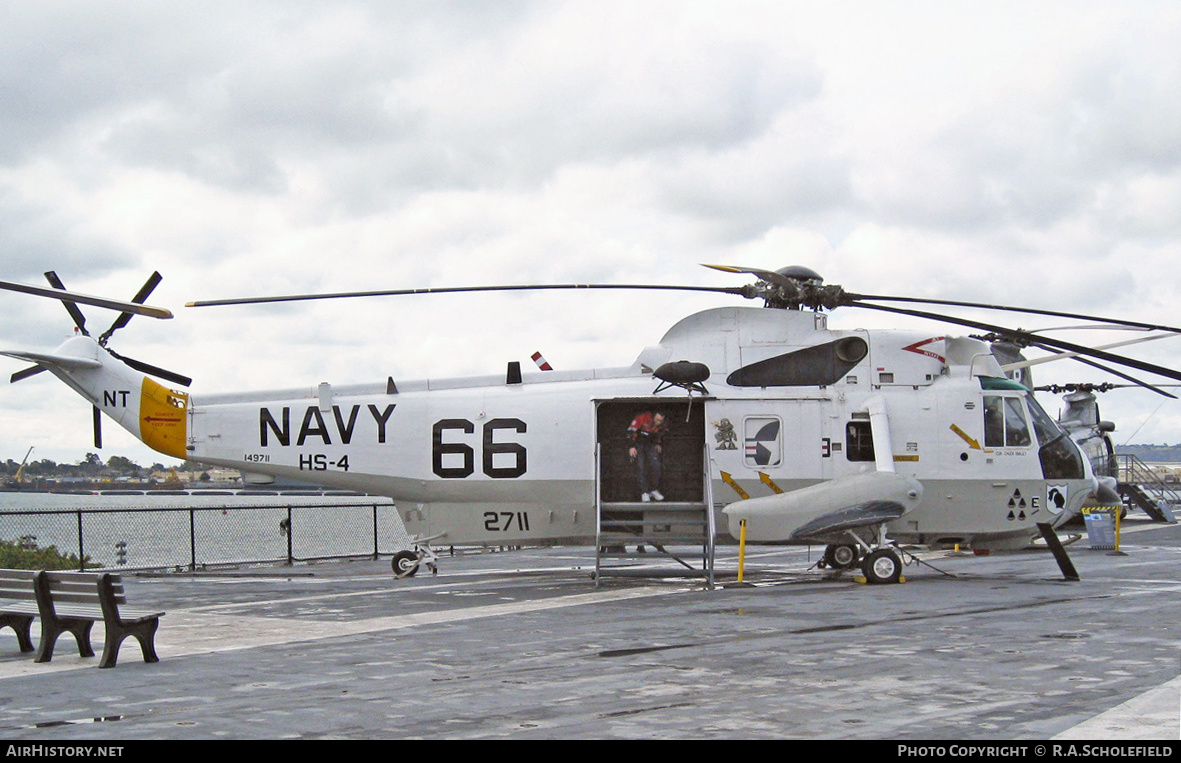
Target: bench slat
{"x": 74, "y": 577}
{"x": 80, "y": 597}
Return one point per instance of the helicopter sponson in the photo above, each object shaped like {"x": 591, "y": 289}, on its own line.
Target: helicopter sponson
{"x": 825, "y": 512}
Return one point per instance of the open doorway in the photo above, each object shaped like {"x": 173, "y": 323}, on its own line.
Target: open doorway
{"x": 682, "y": 445}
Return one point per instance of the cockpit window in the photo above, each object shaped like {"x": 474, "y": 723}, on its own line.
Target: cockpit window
{"x": 1016, "y": 427}
{"x": 1046, "y": 428}
{"x": 1059, "y": 455}
{"x": 1005, "y": 425}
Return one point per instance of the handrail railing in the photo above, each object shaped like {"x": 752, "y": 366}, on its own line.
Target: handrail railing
{"x": 198, "y": 537}
{"x": 1132, "y": 470}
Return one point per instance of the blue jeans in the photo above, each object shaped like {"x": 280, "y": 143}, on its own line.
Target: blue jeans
{"x": 647, "y": 466}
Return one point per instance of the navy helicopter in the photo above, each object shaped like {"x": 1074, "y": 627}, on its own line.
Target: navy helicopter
{"x": 856, "y": 440}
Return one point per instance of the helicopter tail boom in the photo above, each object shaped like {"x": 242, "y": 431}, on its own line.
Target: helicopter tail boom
{"x": 144, "y": 407}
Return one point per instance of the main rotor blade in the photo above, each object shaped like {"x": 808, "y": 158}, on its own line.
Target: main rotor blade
{"x": 770, "y": 276}
{"x": 857, "y": 299}
{"x": 1065, "y": 355}
{"x": 140, "y": 297}
{"x": 71, "y": 297}
{"x": 461, "y": 289}
{"x": 1056, "y": 343}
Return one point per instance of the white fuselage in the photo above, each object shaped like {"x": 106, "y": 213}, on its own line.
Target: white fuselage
{"x": 483, "y": 460}
{"x": 784, "y": 404}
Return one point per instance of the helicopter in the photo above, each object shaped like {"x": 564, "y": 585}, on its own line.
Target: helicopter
{"x": 1135, "y": 482}
{"x": 785, "y": 430}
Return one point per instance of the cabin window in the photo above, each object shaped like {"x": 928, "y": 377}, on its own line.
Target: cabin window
{"x": 859, "y": 441}
{"x": 763, "y": 442}
{"x": 1005, "y": 424}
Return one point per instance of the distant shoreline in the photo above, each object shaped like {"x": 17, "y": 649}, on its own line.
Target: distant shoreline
{"x": 107, "y": 490}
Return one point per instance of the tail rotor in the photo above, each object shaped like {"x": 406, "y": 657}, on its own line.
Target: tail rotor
{"x": 129, "y": 310}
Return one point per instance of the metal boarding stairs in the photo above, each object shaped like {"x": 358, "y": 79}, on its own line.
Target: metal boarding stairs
{"x": 1142, "y": 488}
{"x": 656, "y": 539}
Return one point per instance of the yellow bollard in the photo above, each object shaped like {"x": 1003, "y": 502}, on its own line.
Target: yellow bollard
{"x": 1116, "y": 511}
{"x": 741, "y": 548}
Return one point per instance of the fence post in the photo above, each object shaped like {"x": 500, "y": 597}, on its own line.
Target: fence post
{"x": 375, "y": 532}
{"x": 290, "y": 532}
{"x": 192, "y": 541}
{"x": 81, "y": 551}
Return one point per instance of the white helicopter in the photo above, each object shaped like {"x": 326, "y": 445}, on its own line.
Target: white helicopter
{"x": 786, "y": 430}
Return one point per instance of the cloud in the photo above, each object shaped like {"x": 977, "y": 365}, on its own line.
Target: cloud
{"x": 995, "y": 152}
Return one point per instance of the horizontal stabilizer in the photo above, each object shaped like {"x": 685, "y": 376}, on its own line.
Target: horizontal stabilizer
{"x": 861, "y": 515}
{"x": 49, "y": 359}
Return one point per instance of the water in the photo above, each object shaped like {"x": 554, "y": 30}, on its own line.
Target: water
{"x": 154, "y": 531}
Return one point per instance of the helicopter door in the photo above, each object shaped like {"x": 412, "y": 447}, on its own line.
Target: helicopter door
{"x": 682, "y": 445}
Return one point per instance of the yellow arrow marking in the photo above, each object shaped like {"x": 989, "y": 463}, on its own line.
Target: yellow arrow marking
{"x": 766, "y": 478}
{"x": 729, "y": 480}
{"x": 966, "y": 438}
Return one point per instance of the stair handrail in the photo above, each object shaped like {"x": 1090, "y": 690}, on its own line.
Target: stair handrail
{"x": 1131, "y": 469}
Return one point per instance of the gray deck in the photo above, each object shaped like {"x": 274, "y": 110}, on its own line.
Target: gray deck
{"x": 521, "y": 644}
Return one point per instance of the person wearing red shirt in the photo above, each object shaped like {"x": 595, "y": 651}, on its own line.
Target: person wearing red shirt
{"x": 646, "y": 433}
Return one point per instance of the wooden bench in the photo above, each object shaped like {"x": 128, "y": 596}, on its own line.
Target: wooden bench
{"x": 71, "y": 602}
{"x": 18, "y": 604}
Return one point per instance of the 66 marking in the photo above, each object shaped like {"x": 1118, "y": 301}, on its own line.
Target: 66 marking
{"x": 504, "y": 521}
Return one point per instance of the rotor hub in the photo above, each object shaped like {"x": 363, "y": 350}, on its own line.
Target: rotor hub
{"x": 801, "y": 274}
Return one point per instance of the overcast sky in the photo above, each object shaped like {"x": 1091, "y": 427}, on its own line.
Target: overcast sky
{"x": 1024, "y": 153}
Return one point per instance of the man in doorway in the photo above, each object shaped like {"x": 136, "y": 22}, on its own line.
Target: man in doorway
{"x": 646, "y": 434}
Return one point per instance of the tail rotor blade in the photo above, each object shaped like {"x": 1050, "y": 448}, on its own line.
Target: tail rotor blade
{"x": 148, "y": 368}
{"x": 71, "y": 308}
{"x": 25, "y": 374}
{"x": 98, "y": 428}
{"x": 125, "y": 317}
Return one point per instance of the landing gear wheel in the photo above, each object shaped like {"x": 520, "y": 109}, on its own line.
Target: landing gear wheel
{"x": 841, "y": 556}
{"x": 404, "y": 564}
{"x": 882, "y": 566}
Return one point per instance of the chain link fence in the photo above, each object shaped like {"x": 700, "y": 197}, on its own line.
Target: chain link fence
{"x": 195, "y": 538}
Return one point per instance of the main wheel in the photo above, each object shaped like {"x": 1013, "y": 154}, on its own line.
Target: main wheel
{"x": 882, "y": 566}
{"x": 404, "y": 564}
{"x": 841, "y": 556}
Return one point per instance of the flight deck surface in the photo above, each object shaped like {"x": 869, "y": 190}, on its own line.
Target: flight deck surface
{"x": 522, "y": 644}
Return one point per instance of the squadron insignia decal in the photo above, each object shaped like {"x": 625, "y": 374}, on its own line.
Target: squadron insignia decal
{"x": 762, "y": 441}
{"x": 726, "y": 437}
